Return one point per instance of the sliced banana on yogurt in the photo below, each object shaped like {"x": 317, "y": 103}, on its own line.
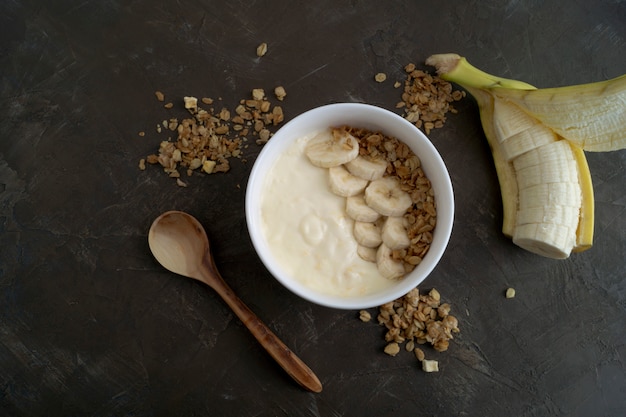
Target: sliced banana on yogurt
{"x": 394, "y": 233}
{"x": 367, "y": 168}
{"x": 367, "y": 254}
{"x": 358, "y": 210}
{"x": 377, "y": 203}
{"x": 387, "y": 197}
{"x": 387, "y": 265}
{"x": 343, "y": 183}
{"x": 367, "y": 234}
{"x": 332, "y": 148}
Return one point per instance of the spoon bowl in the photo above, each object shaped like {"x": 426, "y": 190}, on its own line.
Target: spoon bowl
{"x": 179, "y": 243}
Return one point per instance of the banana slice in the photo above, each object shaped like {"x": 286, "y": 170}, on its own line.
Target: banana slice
{"x": 547, "y": 239}
{"x": 358, "y": 210}
{"x": 556, "y": 193}
{"x": 343, "y": 183}
{"x": 559, "y": 150}
{"x": 563, "y": 215}
{"x": 365, "y": 253}
{"x": 394, "y": 233}
{"x": 557, "y": 171}
{"x": 534, "y": 137}
{"x": 367, "y": 234}
{"x": 516, "y": 119}
{"x": 332, "y": 148}
{"x": 387, "y": 266}
{"x": 367, "y": 168}
{"x": 386, "y": 197}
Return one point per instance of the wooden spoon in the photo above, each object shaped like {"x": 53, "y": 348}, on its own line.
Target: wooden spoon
{"x": 178, "y": 241}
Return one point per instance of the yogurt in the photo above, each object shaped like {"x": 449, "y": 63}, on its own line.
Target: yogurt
{"x": 308, "y": 231}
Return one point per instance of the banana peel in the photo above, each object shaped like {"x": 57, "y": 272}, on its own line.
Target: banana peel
{"x": 591, "y": 117}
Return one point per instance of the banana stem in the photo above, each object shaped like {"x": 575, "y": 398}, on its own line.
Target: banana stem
{"x": 454, "y": 68}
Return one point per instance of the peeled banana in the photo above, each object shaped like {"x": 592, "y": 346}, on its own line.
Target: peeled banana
{"x": 538, "y": 138}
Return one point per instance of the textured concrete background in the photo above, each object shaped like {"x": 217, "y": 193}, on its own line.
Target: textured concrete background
{"x": 91, "y": 325}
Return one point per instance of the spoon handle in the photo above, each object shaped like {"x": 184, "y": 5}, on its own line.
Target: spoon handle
{"x": 288, "y": 360}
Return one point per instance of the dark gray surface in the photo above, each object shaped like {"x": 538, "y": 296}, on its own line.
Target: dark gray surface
{"x": 90, "y": 325}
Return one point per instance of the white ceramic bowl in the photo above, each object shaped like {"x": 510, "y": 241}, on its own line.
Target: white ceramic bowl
{"x": 373, "y": 118}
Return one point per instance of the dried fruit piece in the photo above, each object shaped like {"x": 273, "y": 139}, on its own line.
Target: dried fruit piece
{"x": 191, "y": 103}
{"x": 429, "y": 365}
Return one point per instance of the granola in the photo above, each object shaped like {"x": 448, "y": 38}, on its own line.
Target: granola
{"x": 207, "y": 139}
{"x": 426, "y": 99}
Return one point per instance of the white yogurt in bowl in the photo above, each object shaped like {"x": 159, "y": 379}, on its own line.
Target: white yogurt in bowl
{"x": 300, "y": 229}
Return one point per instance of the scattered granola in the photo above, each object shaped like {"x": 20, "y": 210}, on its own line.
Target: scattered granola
{"x": 365, "y": 316}
{"x": 510, "y": 293}
{"x": 280, "y": 92}
{"x": 427, "y": 98}
{"x": 419, "y": 354}
{"x": 261, "y": 49}
{"x": 418, "y": 319}
{"x": 258, "y": 94}
{"x": 380, "y": 77}
{"x": 208, "y": 139}
{"x": 392, "y": 349}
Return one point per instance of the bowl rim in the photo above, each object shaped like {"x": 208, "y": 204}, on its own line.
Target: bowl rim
{"x": 442, "y": 185}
